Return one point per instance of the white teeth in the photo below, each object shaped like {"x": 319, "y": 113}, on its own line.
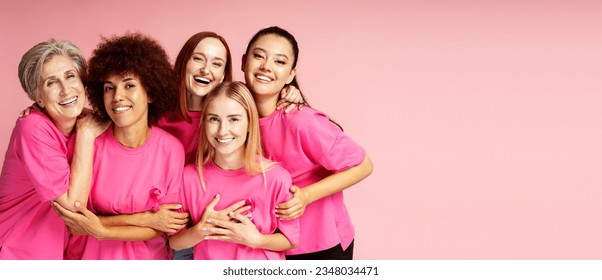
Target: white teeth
{"x": 202, "y": 80}
{"x": 68, "y": 101}
{"x": 263, "y": 78}
{"x": 225, "y": 140}
{"x": 121, "y": 109}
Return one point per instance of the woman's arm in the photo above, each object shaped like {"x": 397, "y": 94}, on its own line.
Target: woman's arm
{"x": 167, "y": 219}
{"x": 88, "y": 223}
{"x": 88, "y": 128}
{"x": 334, "y": 183}
{"x": 244, "y": 232}
{"x": 189, "y": 237}
{"x": 290, "y": 97}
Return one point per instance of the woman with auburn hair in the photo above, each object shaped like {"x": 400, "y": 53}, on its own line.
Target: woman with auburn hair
{"x": 204, "y": 61}
{"x": 230, "y": 165}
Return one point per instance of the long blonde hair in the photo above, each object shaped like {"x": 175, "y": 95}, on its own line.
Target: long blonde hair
{"x": 255, "y": 163}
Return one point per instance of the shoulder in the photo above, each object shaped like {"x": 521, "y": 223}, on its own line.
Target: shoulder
{"x": 165, "y": 136}
{"x": 35, "y": 123}
{"x": 276, "y": 172}
{"x": 167, "y": 141}
{"x": 309, "y": 121}
{"x": 307, "y": 118}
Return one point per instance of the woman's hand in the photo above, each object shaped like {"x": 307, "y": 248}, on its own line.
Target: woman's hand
{"x": 82, "y": 222}
{"x": 167, "y": 219}
{"x": 240, "y": 230}
{"x": 88, "y": 123}
{"x": 210, "y": 214}
{"x": 27, "y": 110}
{"x": 290, "y": 96}
{"x": 295, "y": 207}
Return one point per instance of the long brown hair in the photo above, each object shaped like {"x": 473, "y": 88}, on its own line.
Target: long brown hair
{"x": 182, "y": 60}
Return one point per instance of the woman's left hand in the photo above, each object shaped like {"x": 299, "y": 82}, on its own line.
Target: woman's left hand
{"x": 241, "y": 230}
{"x": 290, "y": 96}
{"x": 82, "y": 222}
{"x": 295, "y": 207}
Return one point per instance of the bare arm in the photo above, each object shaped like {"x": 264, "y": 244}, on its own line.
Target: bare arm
{"x": 88, "y": 128}
{"x": 189, "y": 237}
{"x": 334, "y": 183}
{"x": 167, "y": 219}
{"x": 245, "y": 232}
{"x": 87, "y": 223}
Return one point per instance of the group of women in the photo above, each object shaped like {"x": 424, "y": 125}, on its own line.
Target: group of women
{"x": 174, "y": 159}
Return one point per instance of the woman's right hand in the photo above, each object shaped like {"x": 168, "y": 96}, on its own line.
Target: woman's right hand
{"x": 224, "y": 215}
{"x": 27, "y": 110}
{"x": 167, "y": 219}
{"x": 88, "y": 123}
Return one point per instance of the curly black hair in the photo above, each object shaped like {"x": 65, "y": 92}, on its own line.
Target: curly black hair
{"x": 140, "y": 55}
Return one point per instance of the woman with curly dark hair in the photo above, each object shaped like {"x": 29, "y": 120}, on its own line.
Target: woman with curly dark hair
{"x": 137, "y": 166}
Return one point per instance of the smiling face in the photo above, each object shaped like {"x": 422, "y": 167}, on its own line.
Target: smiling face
{"x": 206, "y": 67}
{"x": 61, "y": 92}
{"x": 268, "y": 65}
{"x": 126, "y": 101}
{"x": 226, "y": 124}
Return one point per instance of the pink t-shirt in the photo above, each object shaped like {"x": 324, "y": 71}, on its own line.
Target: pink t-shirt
{"x": 36, "y": 170}
{"x": 186, "y": 132}
{"x": 127, "y": 181}
{"x": 234, "y": 186}
{"x": 311, "y": 148}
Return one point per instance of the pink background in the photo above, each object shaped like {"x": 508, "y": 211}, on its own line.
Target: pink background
{"x": 482, "y": 117}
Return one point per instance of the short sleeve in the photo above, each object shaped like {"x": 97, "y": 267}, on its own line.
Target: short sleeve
{"x": 289, "y": 228}
{"x": 325, "y": 143}
{"x": 43, "y": 150}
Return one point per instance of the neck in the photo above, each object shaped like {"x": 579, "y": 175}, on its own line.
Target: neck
{"x": 193, "y": 102}
{"x": 232, "y": 161}
{"x": 66, "y": 128}
{"x": 266, "y": 105}
{"x": 132, "y": 137}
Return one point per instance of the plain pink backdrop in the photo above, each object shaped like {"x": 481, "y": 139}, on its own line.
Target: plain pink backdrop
{"x": 482, "y": 118}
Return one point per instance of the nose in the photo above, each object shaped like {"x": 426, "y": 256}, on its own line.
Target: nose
{"x": 204, "y": 69}
{"x": 118, "y": 94}
{"x": 223, "y": 127}
{"x": 65, "y": 88}
{"x": 264, "y": 66}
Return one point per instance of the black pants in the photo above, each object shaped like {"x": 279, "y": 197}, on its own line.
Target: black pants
{"x": 334, "y": 253}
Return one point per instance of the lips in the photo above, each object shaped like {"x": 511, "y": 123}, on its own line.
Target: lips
{"x": 202, "y": 80}
{"x": 68, "y": 101}
{"x": 263, "y": 78}
{"x": 121, "y": 108}
{"x": 224, "y": 140}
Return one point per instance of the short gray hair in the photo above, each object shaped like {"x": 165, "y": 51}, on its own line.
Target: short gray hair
{"x": 30, "y": 67}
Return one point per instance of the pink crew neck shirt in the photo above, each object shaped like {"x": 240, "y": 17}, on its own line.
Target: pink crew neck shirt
{"x": 311, "y": 148}
{"x": 234, "y": 186}
{"x": 36, "y": 170}
{"x": 127, "y": 181}
{"x": 186, "y": 132}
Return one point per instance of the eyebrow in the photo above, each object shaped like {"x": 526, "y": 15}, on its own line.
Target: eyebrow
{"x": 203, "y": 54}
{"x": 278, "y": 54}
{"x": 229, "y": 116}
{"x": 124, "y": 80}
{"x": 55, "y": 76}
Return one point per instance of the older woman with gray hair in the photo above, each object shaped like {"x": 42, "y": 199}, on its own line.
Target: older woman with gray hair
{"x": 45, "y": 161}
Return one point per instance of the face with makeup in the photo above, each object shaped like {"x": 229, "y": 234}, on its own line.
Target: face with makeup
{"x": 268, "y": 65}
{"x": 126, "y": 101}
{"x": 61, "y": 92}
{"x": 206, "y": 67}
{"x": 226, "y": 125}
